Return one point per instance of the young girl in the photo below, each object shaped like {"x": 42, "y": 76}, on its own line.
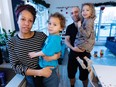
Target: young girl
{"x": 85, "y": 36}
{"x": 53, "y": 42}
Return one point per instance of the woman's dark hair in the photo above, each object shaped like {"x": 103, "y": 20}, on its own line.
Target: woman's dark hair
{"x": 27, "y": 7}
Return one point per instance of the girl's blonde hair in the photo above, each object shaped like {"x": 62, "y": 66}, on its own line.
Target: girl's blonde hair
{"x": 93, "y": 14}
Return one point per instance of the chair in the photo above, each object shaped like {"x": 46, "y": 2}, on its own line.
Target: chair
{"x": 2, "y": 78}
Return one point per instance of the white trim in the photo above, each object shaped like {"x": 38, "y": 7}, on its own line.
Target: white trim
{"x": 17, "y": 81}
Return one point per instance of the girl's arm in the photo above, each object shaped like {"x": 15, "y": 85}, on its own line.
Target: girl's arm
{"x": 87, "y": 29}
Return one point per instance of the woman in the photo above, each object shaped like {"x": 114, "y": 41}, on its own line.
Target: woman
{"x": 27, "y": 41}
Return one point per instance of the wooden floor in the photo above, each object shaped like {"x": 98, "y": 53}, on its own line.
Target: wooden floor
{"x": 107, "y": 59}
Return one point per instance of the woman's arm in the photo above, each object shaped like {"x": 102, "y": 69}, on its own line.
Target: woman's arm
{"x": 45, "y": 72}
{"x": 16, "y": 65}
{"x": 19, "y": 68}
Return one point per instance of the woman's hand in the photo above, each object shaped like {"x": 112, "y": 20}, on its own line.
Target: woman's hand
{"x": 46, "y": 72}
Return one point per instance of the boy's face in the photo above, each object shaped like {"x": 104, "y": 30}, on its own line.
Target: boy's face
{"x": 54, "y": 26}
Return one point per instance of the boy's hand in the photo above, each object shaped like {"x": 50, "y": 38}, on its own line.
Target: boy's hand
{"x": 32, "y": 54}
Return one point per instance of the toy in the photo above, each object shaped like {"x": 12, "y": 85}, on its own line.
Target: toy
{"x": 101, "y": 53}
{"x": 95, "y": 54}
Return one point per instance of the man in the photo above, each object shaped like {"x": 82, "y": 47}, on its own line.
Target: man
{"x": 70, "y": 37}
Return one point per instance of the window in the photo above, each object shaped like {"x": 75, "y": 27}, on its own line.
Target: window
{"x": 41, "y": 18}
{"x": 105, "y": 23}
{"x": 0, "y": 22}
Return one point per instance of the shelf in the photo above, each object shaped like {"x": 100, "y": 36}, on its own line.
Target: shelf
{"x": 5, "y": 65}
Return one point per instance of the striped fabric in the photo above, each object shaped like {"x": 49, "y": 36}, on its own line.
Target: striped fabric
{"x": 19, "y": 49}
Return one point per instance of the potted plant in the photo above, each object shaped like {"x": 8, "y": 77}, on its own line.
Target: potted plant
{"x": 3, "y": 39}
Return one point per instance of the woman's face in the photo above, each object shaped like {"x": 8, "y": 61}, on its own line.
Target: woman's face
{"x": 25, "y": 21}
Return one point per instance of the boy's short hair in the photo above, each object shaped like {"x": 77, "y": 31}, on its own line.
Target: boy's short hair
{"x": 60, "y": 17}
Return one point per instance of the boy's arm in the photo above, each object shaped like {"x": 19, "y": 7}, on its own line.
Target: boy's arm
{"x": 54, "y": 57}
{"x": 47, "y": 58}
{"x": 36, "y": 54}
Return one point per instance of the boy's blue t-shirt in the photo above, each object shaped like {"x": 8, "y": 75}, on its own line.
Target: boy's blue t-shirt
{"x": 52, "y": 46}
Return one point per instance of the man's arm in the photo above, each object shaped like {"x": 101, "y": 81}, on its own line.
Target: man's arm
{"x": 77, "y": 49}
{"x": 67, "y": 42}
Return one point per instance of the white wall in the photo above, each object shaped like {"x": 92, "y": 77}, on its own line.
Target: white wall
{"x": 61, "y": 3}
{"x": 54, "y": 4}
{"x": 6, "y": 16}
